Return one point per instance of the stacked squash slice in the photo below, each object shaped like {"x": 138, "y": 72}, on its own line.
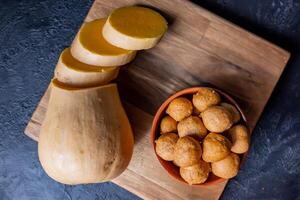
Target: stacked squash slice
{"x": 86, "y": 136}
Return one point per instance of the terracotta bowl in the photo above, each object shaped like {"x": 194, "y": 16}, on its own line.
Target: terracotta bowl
{"x": 172, "y": 169}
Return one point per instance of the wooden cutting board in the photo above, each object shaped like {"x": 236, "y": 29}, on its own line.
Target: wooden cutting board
{"x": 198, "y": 48}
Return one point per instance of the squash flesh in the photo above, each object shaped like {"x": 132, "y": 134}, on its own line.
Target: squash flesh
{"x": 136, "y": 21}
{"x": 71, "y": 62}
{"x": 134, "y": 28}
{"x": 90, "y": 47}
{"x": 75, "y": 73}
{"x": 90, "y": 36}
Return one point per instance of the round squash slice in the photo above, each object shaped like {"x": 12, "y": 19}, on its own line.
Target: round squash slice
{"x": 86, "y": 136}
{"x": 91, "y": 48}
{"x": 75, "y": 73}
{"x": 134, "y": 28}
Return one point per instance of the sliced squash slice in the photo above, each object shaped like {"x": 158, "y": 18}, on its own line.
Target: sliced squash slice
{"x": 91, "y": 48}
{"x": 134, "y": 28}
{"x": 75, "y": 73}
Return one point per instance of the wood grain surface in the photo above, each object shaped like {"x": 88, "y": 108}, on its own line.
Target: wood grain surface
{"x": 199, "y": 48}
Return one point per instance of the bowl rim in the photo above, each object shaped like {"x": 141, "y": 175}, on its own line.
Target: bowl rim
{"x": 160, "y": 112}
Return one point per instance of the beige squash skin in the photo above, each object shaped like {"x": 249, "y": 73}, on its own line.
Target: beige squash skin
{"x": 86, "y": 136}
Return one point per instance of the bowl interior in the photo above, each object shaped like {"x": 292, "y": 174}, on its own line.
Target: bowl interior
{"x": 172, "y": 169}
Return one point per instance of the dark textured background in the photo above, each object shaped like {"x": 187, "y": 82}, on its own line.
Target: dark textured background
{"x": 32, "y": 34}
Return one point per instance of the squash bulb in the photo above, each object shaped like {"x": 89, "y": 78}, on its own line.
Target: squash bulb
{"x": 86, "y": 136}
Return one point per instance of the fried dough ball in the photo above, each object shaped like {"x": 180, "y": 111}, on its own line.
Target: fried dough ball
{"x": 236, "y": 116}
{"x": 205, "y": 98}
{"x": 239, "y": 137}
{"x": 227, "y": 167}
{"x": 215, "y": 147}
{"x": 195, "y": 174}
{"x": 180, "y": 108}
{"x": 187, "y": 152}
{"x": 165, "y": 146}
{"x": 192, "y": 126}
{"x": 167, "y": 125}
{"x": 217, "y": 119}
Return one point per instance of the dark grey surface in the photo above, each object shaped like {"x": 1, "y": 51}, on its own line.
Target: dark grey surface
{"x": 32, "y": 34}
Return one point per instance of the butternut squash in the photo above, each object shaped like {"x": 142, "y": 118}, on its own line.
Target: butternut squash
{"x": 134, "y": 28}
{"x": 91, "y": 48}
{"x": 75, "y": 73}
{"x": 86, "y": 136}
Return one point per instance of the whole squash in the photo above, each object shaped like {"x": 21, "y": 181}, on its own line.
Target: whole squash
{"x": 86, "y": 136}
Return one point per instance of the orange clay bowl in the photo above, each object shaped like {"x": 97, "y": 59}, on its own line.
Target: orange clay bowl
{"x": 172, "y": 169}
